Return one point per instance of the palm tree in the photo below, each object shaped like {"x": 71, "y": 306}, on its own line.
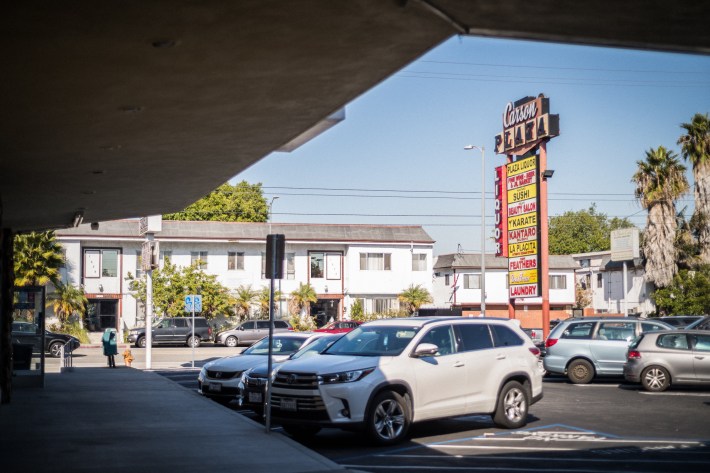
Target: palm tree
{"x": 302, "y": 298}
{"x": 414, "y": 297}
{"x": 243, "y": 300}
{"x": 262, "y": 300}
{"x": 696, "y": 149}
{"x": 660, "y": 180}
{"x": 38, "y": 258}
{"x": 66, "y": 301}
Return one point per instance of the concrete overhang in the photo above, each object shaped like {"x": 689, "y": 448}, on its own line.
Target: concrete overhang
{"x": 137, "y": 107}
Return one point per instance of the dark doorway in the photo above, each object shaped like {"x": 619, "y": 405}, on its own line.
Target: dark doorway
{"x": 101, "y": 314}
{"x": 324, "y": 310}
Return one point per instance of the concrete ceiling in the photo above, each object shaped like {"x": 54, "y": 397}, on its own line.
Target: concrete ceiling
{"x": 137, "y": 107}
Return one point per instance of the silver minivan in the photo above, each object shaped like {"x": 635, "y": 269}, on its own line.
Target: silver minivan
{"x": 248, "y": 332}
{"x": 585, "y": 347}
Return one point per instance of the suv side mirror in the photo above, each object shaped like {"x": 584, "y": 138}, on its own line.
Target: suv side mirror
{"x": 241, "y": 327}
{"x": 425, "y": 349}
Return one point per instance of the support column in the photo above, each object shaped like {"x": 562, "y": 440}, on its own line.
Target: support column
{"x": 544, "y": 244}
{"x": 7, "y": 278}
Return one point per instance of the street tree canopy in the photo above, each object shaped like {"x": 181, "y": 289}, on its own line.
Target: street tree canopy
{"x": 243, "y": 202}
{"x": 687, "y": 294}
{"x": 172, "y": 283}
{"x": 583, "y": 231}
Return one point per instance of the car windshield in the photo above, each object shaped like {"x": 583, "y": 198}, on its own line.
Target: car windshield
{"x": 281, "y": 346}
{"x": 313, "y": 348}
{"x": 375, "y": 340}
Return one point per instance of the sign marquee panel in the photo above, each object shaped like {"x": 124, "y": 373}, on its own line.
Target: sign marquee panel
{"x": 523, "y": 223}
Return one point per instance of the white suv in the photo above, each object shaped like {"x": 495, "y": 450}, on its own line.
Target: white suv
{"x": 386, "y": 374}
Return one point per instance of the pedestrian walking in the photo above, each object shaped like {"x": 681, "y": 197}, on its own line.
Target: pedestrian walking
{"x": 110, "y": 346}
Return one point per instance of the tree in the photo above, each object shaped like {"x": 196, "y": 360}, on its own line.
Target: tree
{"x": 243, "y": 202}
{"x": 582, "y": 296}
{"x": 582, "y": 231}
{"x": 243, "y": 300}
{"x": 695, "y": 147}
{"x": 414, "y": 297}
{"x": 262, "y": 299}
{"x": 171, "y": 284}
{"x": 688, "y": 293}
{"x": 37, "y": 259}
{"x": 660, "y": 181}
{"x": 302, "y": 298}
{"x": 66, "y": 301}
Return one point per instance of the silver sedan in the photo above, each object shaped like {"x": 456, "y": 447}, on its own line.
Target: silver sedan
{"x": 658, "y": 360}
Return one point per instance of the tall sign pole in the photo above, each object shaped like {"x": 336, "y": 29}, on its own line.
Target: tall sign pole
{"x": 275, "y": 247}
{"x": 521, "y": 200}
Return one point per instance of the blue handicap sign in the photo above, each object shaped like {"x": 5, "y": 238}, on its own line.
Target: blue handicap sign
{"x": 193, "y": 300}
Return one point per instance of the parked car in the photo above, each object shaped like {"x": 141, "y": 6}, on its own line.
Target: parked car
{"x": 700, "y": 324}
{"x": 173, "y": 330}
{"x": 660, "y": 360}
{"x": 339, "y": 326}
{"x": 585, "y": 347}
{"x": 220, "y": 379}
{"x": 535, "y": 335}
{"x": 248, "y": 332}
{"x": 680, "y": 321}
{"x": 254, "y": 380}
{"x": 27, "y": 333}
{"x": 387, "y": 374}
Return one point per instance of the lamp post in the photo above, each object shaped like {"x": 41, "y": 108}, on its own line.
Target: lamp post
{"x": 483, "y": 225}
{"x": 271, "y": 204}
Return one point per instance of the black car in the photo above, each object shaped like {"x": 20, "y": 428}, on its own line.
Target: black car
{"x": 26, "y": 333}
{"x": 173, "y": 330}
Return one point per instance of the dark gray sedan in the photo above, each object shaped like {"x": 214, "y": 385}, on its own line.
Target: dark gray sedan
{"x": 658, "y": 360}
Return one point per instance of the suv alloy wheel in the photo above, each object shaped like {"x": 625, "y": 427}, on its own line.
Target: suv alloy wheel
{"x": 512, "y": 409}
{"x": 389, "y": 418}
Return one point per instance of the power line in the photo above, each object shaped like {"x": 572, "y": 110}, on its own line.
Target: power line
{"x": 585, "y": 69}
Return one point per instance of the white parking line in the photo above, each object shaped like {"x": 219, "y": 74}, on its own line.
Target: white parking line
{"x": 676, "y": 393}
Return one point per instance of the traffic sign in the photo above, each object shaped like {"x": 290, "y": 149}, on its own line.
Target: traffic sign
{"x": 193, "y": 301}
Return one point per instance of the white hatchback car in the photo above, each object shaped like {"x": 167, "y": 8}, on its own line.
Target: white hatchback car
{"x": 386, "y": 374}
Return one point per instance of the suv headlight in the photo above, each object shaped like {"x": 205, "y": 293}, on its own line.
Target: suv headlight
{"x": 344, "y": 376}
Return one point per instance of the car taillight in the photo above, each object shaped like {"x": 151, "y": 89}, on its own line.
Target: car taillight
{"x": 535, "y": 351}
{"x": 549, "y": 342}
{"x": 209, "y": 331}
{"x": 633, "y": 355}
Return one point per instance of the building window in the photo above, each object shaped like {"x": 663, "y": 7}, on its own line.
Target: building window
{"x": 235, "y": 260}
{"x": 101, "y": 263}
{"x": 263, "y": 265}
{"x": 139, "y": 264}
{"x": 109, "y": 263}
{"x": 375, "y": 262}
{"x": 471, "y": 281}
{"x": 419, "y": 262}
{"x": 558, "y": 282}
{"x": 290, "y": 265}
{"x": 447, "y": 279}
{"x": 165, "y": 255}
{"x": 199, "y": 259}
{"x": 584, "y": 263}
{"x": 317, "y": 265}
{"x": 599, "y": 280}
{"x": 383, "y": 305}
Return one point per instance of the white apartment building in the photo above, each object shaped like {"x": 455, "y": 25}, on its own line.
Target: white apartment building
{"x": 457, "y": 284}
{"x": 373, "y": 263}
{"x": 604, "y": 279}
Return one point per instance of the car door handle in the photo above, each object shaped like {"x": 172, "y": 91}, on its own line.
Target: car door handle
{"x": 500, "y": 357}
{"x": 698, "y": 357}
{"x": 458, "y": 364}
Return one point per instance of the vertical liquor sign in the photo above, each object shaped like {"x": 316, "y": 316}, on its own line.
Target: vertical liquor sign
{"x": 521, "y": 197}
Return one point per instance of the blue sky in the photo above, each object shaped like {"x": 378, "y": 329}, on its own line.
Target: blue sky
{"x": 398, "y": 157}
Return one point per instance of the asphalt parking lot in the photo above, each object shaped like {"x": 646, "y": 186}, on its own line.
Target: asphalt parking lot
{"x": 606, "y": 426}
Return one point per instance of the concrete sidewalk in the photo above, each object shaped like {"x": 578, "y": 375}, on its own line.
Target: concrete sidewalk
{"x": 93, "y": 419}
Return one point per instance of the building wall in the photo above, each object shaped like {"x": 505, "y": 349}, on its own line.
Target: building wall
{"x": 349, "y": 284}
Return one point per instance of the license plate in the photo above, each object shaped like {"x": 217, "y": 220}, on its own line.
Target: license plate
{"x": 288, "y": 404}
{"x": 255, "y": 397}
{"x": 215, "y": 387}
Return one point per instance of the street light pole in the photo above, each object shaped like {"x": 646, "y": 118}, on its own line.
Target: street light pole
{"x": 483, "y": 225}
{"x": 271, "y": 205}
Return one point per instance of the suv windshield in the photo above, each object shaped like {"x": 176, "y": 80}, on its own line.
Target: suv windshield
{"x": 374, "y": 341}
{"x": 281, "y": 346}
